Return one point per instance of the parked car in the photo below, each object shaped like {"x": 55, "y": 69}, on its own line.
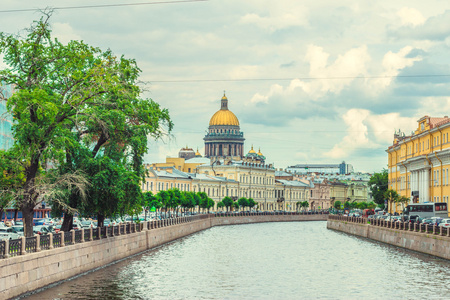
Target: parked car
{"x": 87, "y": 224}
{"x": 430, "y": 222}
{"x": 17, "y": 229}
{"x": 445, "y": 223}
{"x": 57, "y": 228}
{"x": 41, "y": 229}
{"x": 7, "y": 233}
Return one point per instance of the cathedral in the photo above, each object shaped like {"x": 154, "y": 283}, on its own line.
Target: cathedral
{"x": 224, "y": 138}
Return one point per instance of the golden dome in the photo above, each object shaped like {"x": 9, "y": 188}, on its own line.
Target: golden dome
{"x": 197, "y": 153}
{"x": 259, "y": 152}
{"x": 252, "y": 151}
{"x": 224, "y": 117}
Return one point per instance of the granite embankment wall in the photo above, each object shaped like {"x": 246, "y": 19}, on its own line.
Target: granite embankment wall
{"x": 430, "y": 241}
{"x": 24, "y": 273}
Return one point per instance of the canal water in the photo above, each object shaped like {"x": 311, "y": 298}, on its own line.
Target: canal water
{"x": 295, "y": 260}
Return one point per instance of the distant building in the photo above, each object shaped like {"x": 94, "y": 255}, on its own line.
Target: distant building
{"x": 186, "y": 153}
{"x": 224, "y": 138}
{"x": 6, "y": 120}
{"x": 341, "y": 168}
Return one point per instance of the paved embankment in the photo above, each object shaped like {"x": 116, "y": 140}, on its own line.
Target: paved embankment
{"x": 430, "y": 240}
{"x": 89, "y": 250}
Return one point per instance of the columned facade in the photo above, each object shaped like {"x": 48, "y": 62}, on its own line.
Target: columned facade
{"x": 224, "y": 138}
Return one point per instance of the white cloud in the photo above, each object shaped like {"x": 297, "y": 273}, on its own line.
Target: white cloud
{"x": 64, "y": 32}
{"x": 411, "y": 16}
{"x": 392, "y": 64}
{"x": 282, "y": 15}
{"x": 357, "y": 134}
{"x": 383, "y": 126}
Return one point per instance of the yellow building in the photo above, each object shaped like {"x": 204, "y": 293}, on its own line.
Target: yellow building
{"x": 418, "y": 164}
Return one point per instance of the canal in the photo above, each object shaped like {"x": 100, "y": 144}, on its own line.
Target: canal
{"x": 295, "y": 260}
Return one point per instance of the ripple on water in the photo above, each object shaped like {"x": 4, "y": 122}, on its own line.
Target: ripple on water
{"x": 296, "y": 260}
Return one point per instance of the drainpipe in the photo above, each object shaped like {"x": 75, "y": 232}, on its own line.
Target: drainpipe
{"x": 440, "y": 175}
{"x": 406, "y": 179}
{"x": 429, "y": 161}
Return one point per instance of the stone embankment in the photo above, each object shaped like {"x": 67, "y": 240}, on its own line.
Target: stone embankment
{"x": 31, "y": 263}
{"x": 433, "y": 240}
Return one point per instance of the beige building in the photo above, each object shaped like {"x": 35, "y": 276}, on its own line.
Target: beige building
{"x": 256, "y": 181}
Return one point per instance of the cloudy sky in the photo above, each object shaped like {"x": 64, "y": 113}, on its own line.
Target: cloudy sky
{"x": 317, "y": 81}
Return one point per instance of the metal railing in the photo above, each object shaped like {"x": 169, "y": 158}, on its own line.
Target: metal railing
{"x": 55, "y": 240}
{"x": 396, "y": 225}
{"x": 44, "y": 242}
{"x": 15, "y": 247}
{"x": 2, "y": 248}
{"x": 31, "y": 244}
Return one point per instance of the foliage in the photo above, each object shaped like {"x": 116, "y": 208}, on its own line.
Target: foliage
{"x": 378, "y": 185}
{"x": 70, "y": 97}
{"x": 228, "y": 202}
{"x": 243, "y": 202}
{"x": 220, "y": 205}
{"x": 251, "y": 203}
{"x": 392, "y": 197}
{"x": 305, "y": 205}
{"x": 337, "y": 204}
{"x": 402, "y": 200}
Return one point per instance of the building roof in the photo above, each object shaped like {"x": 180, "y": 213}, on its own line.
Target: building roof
{"x": 294, "y": 183}
{"x": 282, "y": 173}
{"x": 224, "y": 116}
{"x": 198, "y": 160}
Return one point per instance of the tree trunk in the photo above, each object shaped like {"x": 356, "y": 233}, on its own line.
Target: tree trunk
{"x": 67, "y": 224}
{"x": 100, "y": 220}
{"x": 15, "y": 215}
{"x": 27, "y": 217}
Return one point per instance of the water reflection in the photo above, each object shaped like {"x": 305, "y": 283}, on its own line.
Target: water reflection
{"x": 298, "y": 260}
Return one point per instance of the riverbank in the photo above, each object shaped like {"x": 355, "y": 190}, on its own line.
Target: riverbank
{"x": 90, "y": 250}
{"x": 433, "y": 241}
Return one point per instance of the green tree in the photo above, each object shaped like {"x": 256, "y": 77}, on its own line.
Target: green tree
{"x": 378, "y": 185}
{"x": 203, "y": 201}
{"x": 403, "y": 200}
{"x": 164, "y": 198}
{"x": 69, "y": 97}
{"x": 188, "y": 201}
{"x": 305, "y": 205}
{"x": 337, "y": 205}
{"x": 236, "y": 205}
{"x": 251, "y": 203}
{"x": 228, "y": 202}
{"x": 371, "y": 205}
{"x": 211, "y": 204}
{"x": 362, "y": 205}
{"x": 220, "y": 205}
{"x": 243, "y": 202}
{"x": 391, "y": 197}
{"x": 347, "y": 205}
{"x": 197, "y": 200}
{"x": 298, "y": 205}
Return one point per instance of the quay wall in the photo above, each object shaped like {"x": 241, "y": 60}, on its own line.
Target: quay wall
{"x": 424, "y": 242}
{"x": 25, "y": 273}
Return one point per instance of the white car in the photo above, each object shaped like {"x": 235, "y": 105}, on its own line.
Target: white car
{"x": 445, "y": 223}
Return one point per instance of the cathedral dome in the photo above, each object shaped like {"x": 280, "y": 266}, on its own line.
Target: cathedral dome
{"x": 224, "y": 116}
